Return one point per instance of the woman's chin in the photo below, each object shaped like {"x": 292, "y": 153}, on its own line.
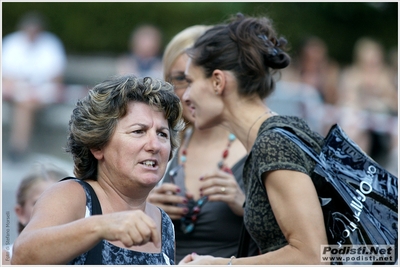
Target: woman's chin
{"x": 150, "y": 181}
{"x": 188, "y": 116}
{"x": 202, "y": 125}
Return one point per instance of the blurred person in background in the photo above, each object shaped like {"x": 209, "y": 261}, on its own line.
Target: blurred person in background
{"x": 393, "y": 56}
{"x": 393, "y": 165}
{"x": 202, "y": 190}
{"x": 368, "y": 97}
{"x": 143, "y": 59}
{"x": 33, "y": 64}
{"x": 309, "y": 86}
{"x": 314, "y": 67}
{"x": 41, "y": 177}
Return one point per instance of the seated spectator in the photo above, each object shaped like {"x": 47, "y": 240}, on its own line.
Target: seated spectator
{"x": 33, "y": 63}
{"x": 143, "y": 59}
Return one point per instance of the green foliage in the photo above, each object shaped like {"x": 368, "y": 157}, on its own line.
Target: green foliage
{"x": 104, "y": 27}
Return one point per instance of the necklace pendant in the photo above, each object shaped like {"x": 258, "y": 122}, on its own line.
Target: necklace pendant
{"x": 220, "y": 164}
{"x": 225, "y": 154}
{"x": 183, "y": 158}
{"x": 227, "y": 170}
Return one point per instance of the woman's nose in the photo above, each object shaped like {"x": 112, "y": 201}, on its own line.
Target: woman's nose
{"x": 153, "y": 143}
{"x": 185, "y": 96}
{"x": 187, "y": 102}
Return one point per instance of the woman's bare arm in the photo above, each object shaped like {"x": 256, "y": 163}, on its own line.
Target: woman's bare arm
{"x": 296, "y": 207}
{"x": 57, "y": 232}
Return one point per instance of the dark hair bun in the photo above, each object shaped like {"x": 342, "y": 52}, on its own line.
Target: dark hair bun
{"x": 249, "y": 47}
{"x": 277, "y": 60}
{"x": 274, "y": 57}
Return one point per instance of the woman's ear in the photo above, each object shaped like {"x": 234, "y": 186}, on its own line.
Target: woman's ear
{"x": 218, "y": 81}
{"x": 19, "y": 210}
{"x": 97, "y": 153}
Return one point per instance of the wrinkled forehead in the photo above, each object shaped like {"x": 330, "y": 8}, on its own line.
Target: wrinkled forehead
{"x": 138, "y": 111}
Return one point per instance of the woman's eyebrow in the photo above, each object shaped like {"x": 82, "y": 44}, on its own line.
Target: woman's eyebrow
{"x": 164, "y": 128}
{"x": 178, "y": 72}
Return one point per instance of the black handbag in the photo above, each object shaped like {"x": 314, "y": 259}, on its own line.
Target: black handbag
{"x": 359, "y": 198}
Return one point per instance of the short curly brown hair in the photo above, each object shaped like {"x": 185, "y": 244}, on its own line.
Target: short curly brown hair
{"x": 95, "y": 117}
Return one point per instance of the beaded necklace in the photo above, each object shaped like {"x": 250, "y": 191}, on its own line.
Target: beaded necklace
{"x": 225, "y": 153}
{"x": 188, "y": 221}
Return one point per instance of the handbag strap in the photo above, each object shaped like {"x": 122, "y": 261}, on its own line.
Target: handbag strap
{"x": 306, "y": 148}
{"x": 94, "y": 256}
{"x": 244, "y": 242}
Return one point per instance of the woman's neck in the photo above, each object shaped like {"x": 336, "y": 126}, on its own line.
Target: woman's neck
{"x": 245, "y": 118}
{"x": 118, "y": 200}
{"x": 210, "y": 135}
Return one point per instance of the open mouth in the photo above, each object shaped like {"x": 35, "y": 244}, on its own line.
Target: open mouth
{"x": 149, "y": 163}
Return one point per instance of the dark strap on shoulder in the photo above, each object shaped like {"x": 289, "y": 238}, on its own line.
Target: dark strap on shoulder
{"x": 305, "y": 147}
{"x": 94, "y": 256}
{"x": 244, "y": 242}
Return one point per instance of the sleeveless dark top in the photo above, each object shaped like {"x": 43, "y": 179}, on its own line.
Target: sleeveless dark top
{"x": 217, "y": 229}
{"x": 272, "y": 151}
{"x": 113, "y": 255}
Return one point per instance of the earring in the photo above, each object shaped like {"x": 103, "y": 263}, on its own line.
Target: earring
{"x": 216, "y": 92}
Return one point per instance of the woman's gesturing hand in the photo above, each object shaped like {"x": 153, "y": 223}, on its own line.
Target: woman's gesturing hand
{"x": 132, "y": 228}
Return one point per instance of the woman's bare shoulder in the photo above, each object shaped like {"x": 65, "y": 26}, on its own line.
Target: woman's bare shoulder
{"x": 62, "y": 202}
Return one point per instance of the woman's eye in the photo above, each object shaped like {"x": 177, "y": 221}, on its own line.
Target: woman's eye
{"x": 137, "y": 131}
{"x": 179, "y": 78}
{"x": 162, "y": 134}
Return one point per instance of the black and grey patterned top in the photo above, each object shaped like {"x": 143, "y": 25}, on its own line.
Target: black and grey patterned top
{"x": 272, "y": 151}
{"x": 113, "y": 255}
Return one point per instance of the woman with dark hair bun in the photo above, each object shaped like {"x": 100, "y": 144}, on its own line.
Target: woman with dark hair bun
{"x": 232, "y": 68}
{"x": 202, "y": 190}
